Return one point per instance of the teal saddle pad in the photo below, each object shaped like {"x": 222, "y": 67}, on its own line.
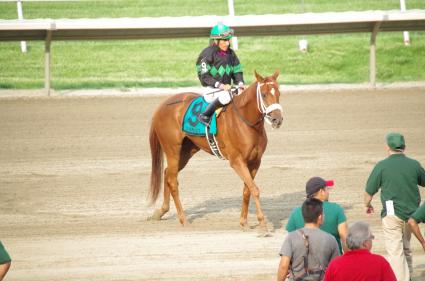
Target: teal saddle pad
{"x": 191, "y": 125}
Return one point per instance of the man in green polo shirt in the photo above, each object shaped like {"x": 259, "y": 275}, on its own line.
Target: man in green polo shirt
{"x": 4, "y": 261}
{"x": 417, "y": 217}
{"x": 335, "y": 222}
{"x": 398, "y": 177}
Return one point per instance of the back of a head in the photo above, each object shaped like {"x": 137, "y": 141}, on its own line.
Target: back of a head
{"x": 395, "y": 142}
{"x": 358, "y": 233}
{"x": 312, "y": 208}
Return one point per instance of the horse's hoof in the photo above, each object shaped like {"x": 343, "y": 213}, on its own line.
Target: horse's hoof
{"x": 264, "y": 232}
{"x": 184, "y": 223}
{"x": 157, "y": 215}
{"x": 244, "y": 227}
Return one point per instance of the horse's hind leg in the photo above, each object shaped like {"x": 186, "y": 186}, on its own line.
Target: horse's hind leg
{"x": 159, "y": 213}
{"x": 177, "y": 158}
{"x": 188, "y": 149}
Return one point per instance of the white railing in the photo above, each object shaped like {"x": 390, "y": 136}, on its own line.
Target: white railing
{"x": 179, "y": 27}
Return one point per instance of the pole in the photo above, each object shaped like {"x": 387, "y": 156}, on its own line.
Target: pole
{"x": 303, "y": 43}
{"x": 405, "y": 33}
{"x": 47, "y": 44}
{"x": 372, "y": 55}
{"x": 21, "y": 17}
{"x": 232, "y": 14}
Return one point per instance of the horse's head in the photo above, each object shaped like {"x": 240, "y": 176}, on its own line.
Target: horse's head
{"x": 268, "y": 98}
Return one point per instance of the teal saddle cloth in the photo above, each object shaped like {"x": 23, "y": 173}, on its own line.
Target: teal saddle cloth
{"x": 191, "y": 125}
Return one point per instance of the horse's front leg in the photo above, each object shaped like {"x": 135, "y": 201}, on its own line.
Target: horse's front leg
{"x": 245, "y": 205}
{"x": 253, "y": 168}
{"x": 244, "y": 173}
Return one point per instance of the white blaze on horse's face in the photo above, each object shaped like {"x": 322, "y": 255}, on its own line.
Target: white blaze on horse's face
{"x": 268, "y": 102}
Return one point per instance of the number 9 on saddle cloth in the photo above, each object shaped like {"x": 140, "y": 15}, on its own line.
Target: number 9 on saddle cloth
{"x": 191, "y": 124}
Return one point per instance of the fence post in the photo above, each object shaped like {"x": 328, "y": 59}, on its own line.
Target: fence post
{"x": 21, "y": 17}
{"x": 232, "y": 14}
{"x": 405, "y": 33}
{"x": 47, "y": 45}
{"x": 372, "y": 55}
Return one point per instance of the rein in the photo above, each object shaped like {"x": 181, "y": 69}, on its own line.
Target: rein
{"x": 246, "y": 121}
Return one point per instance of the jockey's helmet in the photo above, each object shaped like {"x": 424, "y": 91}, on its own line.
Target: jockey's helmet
{"x": 221, "y": 31}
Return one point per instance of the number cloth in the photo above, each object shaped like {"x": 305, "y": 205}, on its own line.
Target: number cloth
{"x": 191, "y": 124}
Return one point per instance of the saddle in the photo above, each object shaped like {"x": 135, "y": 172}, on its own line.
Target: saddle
{"x": 192, "y": 126}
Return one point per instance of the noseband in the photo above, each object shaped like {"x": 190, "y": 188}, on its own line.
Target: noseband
{"x": 266, "y": 110}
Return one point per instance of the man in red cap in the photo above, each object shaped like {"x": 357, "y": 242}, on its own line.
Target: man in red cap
{"x": 335, "y": 221}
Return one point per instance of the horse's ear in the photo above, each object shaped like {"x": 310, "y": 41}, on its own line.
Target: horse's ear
{"x": 258, "y": 77}
{"x": 276, "y": 74}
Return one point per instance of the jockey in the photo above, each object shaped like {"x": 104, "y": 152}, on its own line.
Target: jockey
{"x": 217, "y": 66}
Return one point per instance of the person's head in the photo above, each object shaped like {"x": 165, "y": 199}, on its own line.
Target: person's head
{"x": 316, "y": 187}
{"x": 395, "y": 143}
{"x": 359, "y": 236}
{"x": 312, "y": 211}
{"x": 220, "y": 36}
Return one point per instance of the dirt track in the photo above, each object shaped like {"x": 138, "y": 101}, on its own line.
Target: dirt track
{"x": 74, "y": 176}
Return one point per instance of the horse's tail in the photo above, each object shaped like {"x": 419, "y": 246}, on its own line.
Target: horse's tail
{"x": 157, "y": 165}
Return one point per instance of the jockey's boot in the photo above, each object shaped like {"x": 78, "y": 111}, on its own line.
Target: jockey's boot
{"x": 205, "y": 117}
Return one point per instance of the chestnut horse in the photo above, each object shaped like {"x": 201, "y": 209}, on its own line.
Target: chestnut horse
{"x": 241, "y": 139}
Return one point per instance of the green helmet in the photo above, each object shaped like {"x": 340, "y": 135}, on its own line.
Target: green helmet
{"x": 221, "y": 31}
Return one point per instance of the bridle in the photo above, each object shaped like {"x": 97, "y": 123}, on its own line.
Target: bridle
{"x": 262, "y": 108}
{"x": 266, "y": 110}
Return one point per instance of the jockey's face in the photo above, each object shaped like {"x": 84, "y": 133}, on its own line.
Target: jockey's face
{"x": 223, "y": 44}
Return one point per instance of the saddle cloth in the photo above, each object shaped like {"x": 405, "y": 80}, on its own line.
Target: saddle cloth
{"x": 191, "y": 125}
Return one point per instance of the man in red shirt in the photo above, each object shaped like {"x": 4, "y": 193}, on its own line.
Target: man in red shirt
{"x": 359, "y": 264}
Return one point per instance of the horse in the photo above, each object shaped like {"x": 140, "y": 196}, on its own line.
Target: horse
{"x": 241, "y": 138}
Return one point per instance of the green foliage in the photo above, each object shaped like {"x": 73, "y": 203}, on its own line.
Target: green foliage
{"x": 171, "y": 63}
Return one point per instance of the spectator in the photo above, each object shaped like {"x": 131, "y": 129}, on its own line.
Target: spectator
{"x": 4, "y": 261}
{"x": 417, "y": 217}
{"x": 359, "y": 264}
{"x": 307, "y": 252}
{"x": 398, "y": 177}
{"x": 335, "y": 222}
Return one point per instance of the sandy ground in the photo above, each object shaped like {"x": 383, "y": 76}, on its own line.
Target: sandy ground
{"x": 74, "y": 174}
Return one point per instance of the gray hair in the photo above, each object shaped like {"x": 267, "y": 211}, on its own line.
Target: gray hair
{"x": 358, "y": 233}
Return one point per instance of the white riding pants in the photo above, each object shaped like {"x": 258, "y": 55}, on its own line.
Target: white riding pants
{"x": 209, "y": 95}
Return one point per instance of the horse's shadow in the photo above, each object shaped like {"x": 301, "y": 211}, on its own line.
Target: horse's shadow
{"x": 275, "y": 208}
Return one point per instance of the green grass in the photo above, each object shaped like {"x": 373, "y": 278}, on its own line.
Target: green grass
{"x": 171, "y": 63}
{"x": 150, "y": 8}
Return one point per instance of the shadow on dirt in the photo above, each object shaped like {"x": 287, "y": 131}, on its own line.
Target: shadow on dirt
{"x": 277, "y": 209}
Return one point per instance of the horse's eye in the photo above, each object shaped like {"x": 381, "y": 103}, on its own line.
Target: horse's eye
{"x": 264, "y": 95}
